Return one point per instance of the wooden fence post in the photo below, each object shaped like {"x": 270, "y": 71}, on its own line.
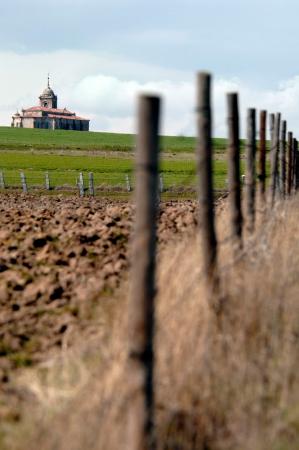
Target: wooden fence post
{"x": 234, "y": 182}
{"x": 271, "y": 126}
{"x": 2, "y": 181}
{"x": 81, "y": 184}
{"x": 47, "y": 181}
{"x": 295, "y": 148}
{"x": 274, "y": 158}
{"x": 262, "y": 155}
{"x": 128, "y": 184}
{"x": 161, "y": 183}
{"x": 91, "y": 184}
{"x": 205, "y": 172}
{"x": 24, "y": 182}
{"x": 250, "y": 168}
{"x": 289, "y": 165}
{"x": 282, "y": 157}
{"x": 141, "y": 304}
{"x": 297, "y": 168}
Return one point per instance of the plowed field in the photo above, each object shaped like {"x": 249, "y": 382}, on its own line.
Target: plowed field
{"x": 60, "y": 258}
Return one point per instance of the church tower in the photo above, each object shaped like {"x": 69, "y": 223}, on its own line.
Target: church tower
{"x": 48, "y": 99}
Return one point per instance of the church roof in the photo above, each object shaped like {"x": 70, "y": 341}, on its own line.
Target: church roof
{"x": 52, "y": 113}
{"x": 55, "y": 116}
{"x": 50, "y": 110}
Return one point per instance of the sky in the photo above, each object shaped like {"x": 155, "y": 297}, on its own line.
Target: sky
{"x": 102, "y": 53}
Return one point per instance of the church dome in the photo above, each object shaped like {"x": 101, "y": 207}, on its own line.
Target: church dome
{"x": 48, "y": 92}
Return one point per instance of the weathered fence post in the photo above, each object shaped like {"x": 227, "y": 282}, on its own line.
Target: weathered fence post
{"x": 271, "y": 126}
{"x": 234, "y": 182}
{"x": 262, "y": 155}
{"x": 295, "y": 148}
{"x": 250, "y": 168}
{"x": 274, "y": 158}
{"x": 282, "y": 158}
{"x": 128, "y": 184}
{"x": 81, "y": 184}
{"x": 161, "y": 183}
{"x": 290, "y": 162}
{"x": 141, "y": 304}
{"x": 24, "y": 182}
{"x": 205, "y": 181}
{"x": 2, "y": 181}
{"x": 297, "y": 168}
{"x": 91, "y": 184}
{"x": 205, "y": 172}
{"x": 47, "y": 181}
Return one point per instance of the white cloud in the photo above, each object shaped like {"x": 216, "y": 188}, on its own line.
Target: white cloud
{"x": 104, "y": 89}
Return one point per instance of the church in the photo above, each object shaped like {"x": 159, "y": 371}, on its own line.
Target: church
{"x": 47, "y": 115}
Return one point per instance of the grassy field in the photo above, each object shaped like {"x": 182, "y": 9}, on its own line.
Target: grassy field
{"x": 26, "y": 139}
{"x": 64, "y": 170}
{"x": 108, "y": 155}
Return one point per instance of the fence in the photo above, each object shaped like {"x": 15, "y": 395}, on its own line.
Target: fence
{"x": 284, "y": 182}
{"x": 92, "y": 182}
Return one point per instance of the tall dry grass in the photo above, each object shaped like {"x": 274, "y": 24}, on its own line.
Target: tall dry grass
{"x": 227, "y": 384}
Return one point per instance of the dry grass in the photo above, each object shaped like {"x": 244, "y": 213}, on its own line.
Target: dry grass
{"x": 230, "y": 385}
{"x": 233, "y": 385}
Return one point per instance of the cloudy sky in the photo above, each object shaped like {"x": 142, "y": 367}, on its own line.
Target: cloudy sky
{"x": 102, "y": 53}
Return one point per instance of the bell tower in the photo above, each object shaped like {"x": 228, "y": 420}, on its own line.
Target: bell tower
{"x": 48, "y": 99}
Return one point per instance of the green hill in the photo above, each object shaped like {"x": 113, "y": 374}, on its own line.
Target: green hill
{"x": 37, "y": 139}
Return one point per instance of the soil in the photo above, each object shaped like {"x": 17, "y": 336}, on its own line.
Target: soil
{"x": 60, "y": 257}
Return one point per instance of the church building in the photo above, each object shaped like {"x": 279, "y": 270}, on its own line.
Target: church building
{"x": 48, "y": 116}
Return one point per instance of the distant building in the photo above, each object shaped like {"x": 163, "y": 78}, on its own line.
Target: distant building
{"x": 48, "y": 116}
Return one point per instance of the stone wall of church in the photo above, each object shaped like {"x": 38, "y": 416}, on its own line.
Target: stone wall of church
{"x": 69, "y": 124}
{"x": 51, "y": 123}
{"x": 28, "y": 122}
{"x": 17, "y": 122}
{"x": 43, "y": 122}
{"x": 84, "y": 125}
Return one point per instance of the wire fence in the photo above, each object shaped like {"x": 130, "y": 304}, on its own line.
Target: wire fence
{"x": 89, "y": 183}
